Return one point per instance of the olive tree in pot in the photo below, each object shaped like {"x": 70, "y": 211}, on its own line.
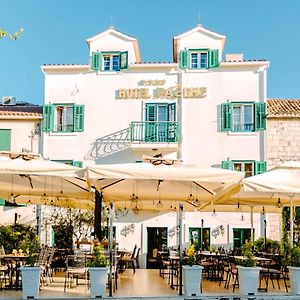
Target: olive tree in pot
{"x": 98, "y": 272}
{"x": 248, "y": 272}
{"x": 192, "y": 274}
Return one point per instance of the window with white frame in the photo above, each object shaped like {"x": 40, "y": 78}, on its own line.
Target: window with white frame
{"x": 243, "y": 117}
{"x": 199, "y": 60}
{"x": 63, "y": 118}
{"x": 111, "y": 62}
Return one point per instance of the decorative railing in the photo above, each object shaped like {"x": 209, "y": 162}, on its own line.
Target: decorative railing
{"x": 110, "y": 144}
{"x": 154, "y": 132}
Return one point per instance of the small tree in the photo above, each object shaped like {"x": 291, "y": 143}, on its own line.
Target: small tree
{"x": 69, "y": 223}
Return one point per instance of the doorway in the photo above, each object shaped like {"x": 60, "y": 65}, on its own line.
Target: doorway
{"x": 195, "y": 237}
{"x": 240, "y": 236}
{"x": 157, "y": 240}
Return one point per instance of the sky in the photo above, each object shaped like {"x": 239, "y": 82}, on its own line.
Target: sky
{"x": 56, "y": 31}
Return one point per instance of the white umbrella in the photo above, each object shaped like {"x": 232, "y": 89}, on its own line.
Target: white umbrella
{"x": 283, "y": 180}
{"x": 149, "y": 186}
{"x": 162, "y": 184}
{"x": 28, "y": 178}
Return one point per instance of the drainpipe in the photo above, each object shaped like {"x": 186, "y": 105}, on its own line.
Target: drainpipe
{"x": 179, "y": 113}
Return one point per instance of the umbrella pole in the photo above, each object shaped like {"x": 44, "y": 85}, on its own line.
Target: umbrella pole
{"x": 180, "y": 212}
{"x": 291, "y": 219}
{"x": 111, "y": 213}
{"x": 252, "y": 227}
{"x": 98, "y": 215}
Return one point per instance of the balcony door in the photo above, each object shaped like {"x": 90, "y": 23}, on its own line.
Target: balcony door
{"x": 160, "y": 122}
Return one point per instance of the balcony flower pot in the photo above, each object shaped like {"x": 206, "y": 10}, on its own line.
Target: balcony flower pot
{"x": 248, "y": 280}
{"x": 31, "y": 281}
{"x": 192, "y": 276}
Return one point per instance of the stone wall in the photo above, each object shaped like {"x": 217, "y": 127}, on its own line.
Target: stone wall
{"x": 283, "y": 140}
{"x": 282, "y": 144}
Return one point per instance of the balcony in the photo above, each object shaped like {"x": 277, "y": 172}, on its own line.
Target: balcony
{"x": 154, "y": 132}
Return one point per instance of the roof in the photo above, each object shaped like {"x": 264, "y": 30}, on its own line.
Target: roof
{"x": 24, "y": 107}
{"x": 5, "y": 114}
{"x": 283, "y": 108}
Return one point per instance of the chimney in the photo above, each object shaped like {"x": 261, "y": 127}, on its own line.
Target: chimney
{"x": 234, "y": 57}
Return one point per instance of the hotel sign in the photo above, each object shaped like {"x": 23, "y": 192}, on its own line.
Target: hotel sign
{"x": 161, "y": 92}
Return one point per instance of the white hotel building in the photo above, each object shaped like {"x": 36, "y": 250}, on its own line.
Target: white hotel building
{"x": 204, "y": 108}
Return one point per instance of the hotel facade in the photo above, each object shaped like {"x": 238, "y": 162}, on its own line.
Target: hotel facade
{"x": 205, "y": 108}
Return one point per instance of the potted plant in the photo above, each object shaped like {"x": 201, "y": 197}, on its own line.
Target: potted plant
{"x": 247, "y": 270}
{"x": 30, "y": 276}
{"x": 98, "y": 271}
{"x": 192, "y": 274}
{"x": 294, "y": 269}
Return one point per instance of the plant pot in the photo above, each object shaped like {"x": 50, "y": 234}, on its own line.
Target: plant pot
{"x": 31, "y": 282}
{"x": 192, "y": 276}
{"x": 295, "y": 280}
{"x": 98, "y": 279}
{"x": 248, "y": 280}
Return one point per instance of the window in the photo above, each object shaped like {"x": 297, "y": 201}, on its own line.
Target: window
{"x": 63, "y": 117}
{"x": 243, "y": 116}
{"x": 199, "y": 59}
{"x": 109, "y": 61}
{"x": 249, "y": 167}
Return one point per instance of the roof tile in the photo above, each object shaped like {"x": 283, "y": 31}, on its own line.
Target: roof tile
{"x": 283, "y": 108}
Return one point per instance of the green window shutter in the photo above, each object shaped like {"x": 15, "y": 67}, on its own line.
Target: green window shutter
{"x": 77, "y": 164}
{"x": 260, "y": 116}
{"x": 226, "y": 116}
{"x": 213, "y": 58}
{"x": 47, "y": 117}
{"x": 5, "y": 139}
{"x": 96, "y": 60}
{"x": 151, "y": 111}
{"x": 260, "y": 167}
{"x": 227, "y": 164}
{"x": 123, "y": 60}
{"x": 184, "y": 59}
{"x": 78, "y": 117}
{"x": 2, "y": 202}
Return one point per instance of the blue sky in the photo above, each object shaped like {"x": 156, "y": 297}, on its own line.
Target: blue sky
{"x": 56, "y": 30}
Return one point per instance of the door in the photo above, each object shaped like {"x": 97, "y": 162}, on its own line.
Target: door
{"x": 240, "y": 236}
{"x": 157, "y": 240}
{"x": 195, "y": 237}
{"x": 160, "y": 122}
{"x": 5, "y": 139}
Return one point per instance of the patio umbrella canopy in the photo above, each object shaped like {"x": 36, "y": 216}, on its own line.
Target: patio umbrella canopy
{"x": 162, "y": 186}
{"x": 28, "y": 178}
{"x": 283, "y": 180}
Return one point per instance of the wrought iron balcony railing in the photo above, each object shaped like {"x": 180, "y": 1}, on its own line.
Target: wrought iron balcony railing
{"x": 154, "y": 132}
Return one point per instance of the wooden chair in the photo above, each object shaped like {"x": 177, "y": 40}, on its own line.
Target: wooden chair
{"x": 128, "y": 259}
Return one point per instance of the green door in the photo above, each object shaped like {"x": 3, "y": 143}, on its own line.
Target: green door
{"x": 5, "y": 139}
{"x": 160, "y": 122}
{"x": 240, "y": 236}
{"x": 195, "y": 237}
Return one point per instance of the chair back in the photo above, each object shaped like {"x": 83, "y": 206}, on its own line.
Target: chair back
{"x": 133, "y": 252}
{"x": 2, "y": 251}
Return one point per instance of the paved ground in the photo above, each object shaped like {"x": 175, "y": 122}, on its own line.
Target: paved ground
{"x": 145, "y": 283}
